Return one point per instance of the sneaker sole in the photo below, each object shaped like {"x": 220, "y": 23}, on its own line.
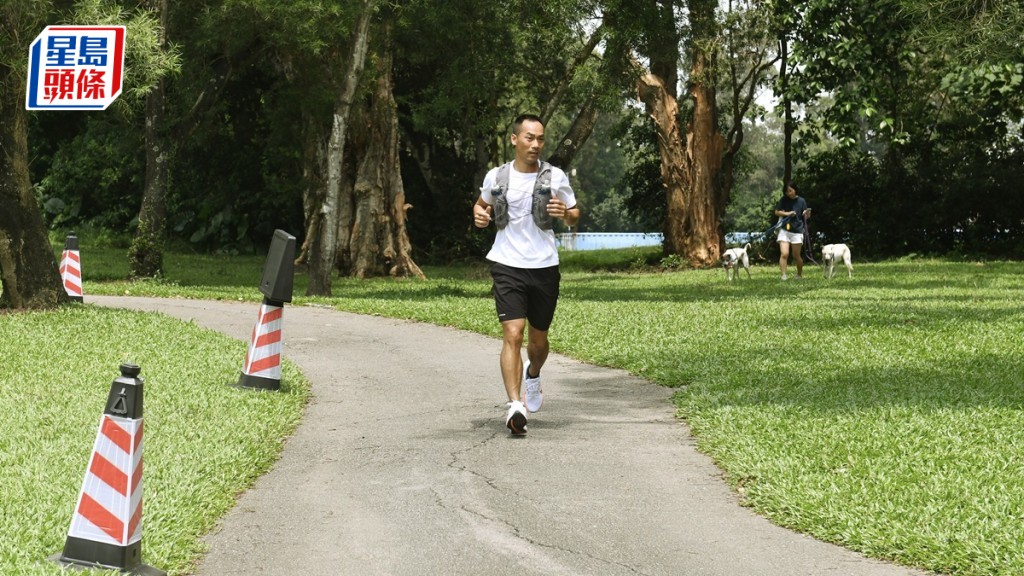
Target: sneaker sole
{"x": 517, "y": 424}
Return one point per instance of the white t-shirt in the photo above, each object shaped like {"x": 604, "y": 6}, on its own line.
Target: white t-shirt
{"x": 522, "y": 244}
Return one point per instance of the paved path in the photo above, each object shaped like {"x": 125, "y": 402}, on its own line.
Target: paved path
{"x": 403, "y": 465}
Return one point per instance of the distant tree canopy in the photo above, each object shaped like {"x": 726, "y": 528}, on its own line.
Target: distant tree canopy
{"x": 908, "y": 117}
{"x": 911, "y": 137}
{"x": 254, "y": 74}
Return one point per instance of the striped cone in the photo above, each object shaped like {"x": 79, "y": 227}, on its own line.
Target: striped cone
{"x": 262, "y": 366}
{"x": 71, "y": 268}
{"x": 106, "y": 528}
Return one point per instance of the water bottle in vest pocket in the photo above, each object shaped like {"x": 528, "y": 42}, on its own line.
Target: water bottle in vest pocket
{"x": 541, "y": 218}
{"x": 500, "y": 207}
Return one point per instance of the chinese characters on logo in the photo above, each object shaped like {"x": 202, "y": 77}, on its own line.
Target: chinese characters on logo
{"x": 75, "y": 68}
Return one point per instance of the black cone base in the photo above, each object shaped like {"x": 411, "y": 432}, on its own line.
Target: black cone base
{"x": 258, "y": 382}
{"x": 85, "y": 554}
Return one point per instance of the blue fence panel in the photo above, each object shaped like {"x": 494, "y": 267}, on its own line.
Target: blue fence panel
{"x": 607, "y": 240}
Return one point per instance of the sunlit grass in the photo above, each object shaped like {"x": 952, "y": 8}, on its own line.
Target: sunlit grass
{"x": 205, "y": 441}
{"x": 882, "y": 413}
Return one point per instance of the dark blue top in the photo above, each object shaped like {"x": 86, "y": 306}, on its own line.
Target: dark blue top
{"x": 793, "y": 224}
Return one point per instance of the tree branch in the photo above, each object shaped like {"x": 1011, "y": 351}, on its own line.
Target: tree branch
{"x": 563, "y": 86}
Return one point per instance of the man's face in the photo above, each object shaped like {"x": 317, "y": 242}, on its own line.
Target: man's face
{"x": 529, "y": 142}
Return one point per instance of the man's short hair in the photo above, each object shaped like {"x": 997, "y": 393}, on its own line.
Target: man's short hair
{"x": 518, "y": 123}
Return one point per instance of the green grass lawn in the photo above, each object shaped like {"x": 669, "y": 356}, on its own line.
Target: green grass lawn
{"x": 204, "y": 441}
{"x": 882, "y": 413}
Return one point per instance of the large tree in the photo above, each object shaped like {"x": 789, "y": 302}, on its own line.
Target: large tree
{"x": 328, "y": 211}
{"x": 373, "y": 239}
{"x": 28, "y": 268}
{"x": 696, "y": 147}
{"x": 145, "y": 257}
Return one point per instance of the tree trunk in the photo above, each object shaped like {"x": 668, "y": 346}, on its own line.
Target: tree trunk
{"x": 705, "y": 145}
{"x": 563, "y": 86}
{"x": 787, "y": 107}
{"x": 691, "y": 164}
{"x": 146, "y": 255}
{"x": 323, "y": 251}
{"x": 577, "y": 135}
{"x": 314, "y": 168}
{"x": 378, "y": 242}
{"x": 355, "y": 149}
{"x": 663, "y": 109}
{"x": 28, "y": 269}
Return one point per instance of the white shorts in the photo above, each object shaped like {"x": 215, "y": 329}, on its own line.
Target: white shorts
{"x": 791, "y": 237}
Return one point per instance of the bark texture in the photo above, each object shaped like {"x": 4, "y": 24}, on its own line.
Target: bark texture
{"x": 146, "y": 255}
{"x": 378, "y": 241}
{"x": 323, "y": 249}
{"x": 705, "y": 145}
{"x": 581, "y": 129}
{"x": 691, "y": 161}
{"x": 663, "y": 110}
{"x": 29, "y": 276}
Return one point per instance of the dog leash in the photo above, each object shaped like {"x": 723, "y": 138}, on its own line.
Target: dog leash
{"x": 807, "y": 237}
{"x": 807, "y": 241}
{"x": 766, "y": 235}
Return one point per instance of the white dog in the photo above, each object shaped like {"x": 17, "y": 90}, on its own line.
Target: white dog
{"x": 733, "y": 258}
{"x": 830, "y": 253}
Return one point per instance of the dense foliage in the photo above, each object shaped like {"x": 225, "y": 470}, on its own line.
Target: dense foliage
{"x": 909, "y": 139}
{"x": 926, "y": 136}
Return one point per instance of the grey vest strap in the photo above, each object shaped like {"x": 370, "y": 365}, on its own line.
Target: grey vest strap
{"x": 541, "y": 196}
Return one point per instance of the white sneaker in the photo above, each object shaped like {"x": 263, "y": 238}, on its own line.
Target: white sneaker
{"x": 784, "y": 278}
{"x": 515, "y": 420}
{"x": 534, "y": 395}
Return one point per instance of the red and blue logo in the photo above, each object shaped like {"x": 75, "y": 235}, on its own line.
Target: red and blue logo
{"x": 75, "y": 68}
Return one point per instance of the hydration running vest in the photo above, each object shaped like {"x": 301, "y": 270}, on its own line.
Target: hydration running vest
{"x": 541, "y": 196}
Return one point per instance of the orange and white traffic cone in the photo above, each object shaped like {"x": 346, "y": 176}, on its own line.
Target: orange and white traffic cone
{"x": 106, "y": 528}
{"x": 71, "y": 268}
{"x": 262, "y": 366}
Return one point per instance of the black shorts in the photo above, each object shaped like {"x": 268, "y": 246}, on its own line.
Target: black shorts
{"x": 526, "y": 293}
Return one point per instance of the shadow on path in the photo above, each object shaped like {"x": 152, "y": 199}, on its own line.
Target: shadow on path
{"x": 402, "y": 465}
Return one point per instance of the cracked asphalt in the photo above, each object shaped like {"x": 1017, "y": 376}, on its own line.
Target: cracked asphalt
{"x": 403, "y": 465}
